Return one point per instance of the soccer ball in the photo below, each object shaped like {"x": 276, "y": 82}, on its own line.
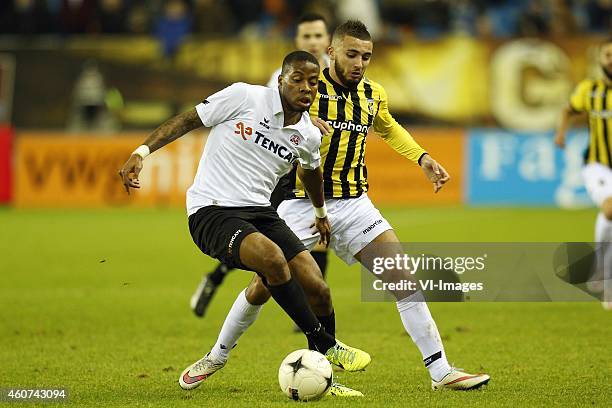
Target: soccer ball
{"x": 305, "y": 375}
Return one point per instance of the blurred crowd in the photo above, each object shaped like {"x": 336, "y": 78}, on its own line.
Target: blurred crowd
{"x": 387, "y": 19}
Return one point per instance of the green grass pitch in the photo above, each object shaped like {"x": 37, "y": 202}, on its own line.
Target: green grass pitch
{"x": 97, "y": 301}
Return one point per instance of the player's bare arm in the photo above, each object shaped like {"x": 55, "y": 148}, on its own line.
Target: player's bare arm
{"x": 169, "y": 131}
{"x": 434, "y": 172}
{"x": 313, "y": 184}
{"x": 567, "y": 115}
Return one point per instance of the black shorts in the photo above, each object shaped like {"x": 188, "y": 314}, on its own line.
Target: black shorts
{"x": 280, "y": 192}
{"x": 219, "y": 231}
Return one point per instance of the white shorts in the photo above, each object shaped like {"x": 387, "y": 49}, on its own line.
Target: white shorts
{"x": 355, "y": 222}
{"x": 598, "y": 181}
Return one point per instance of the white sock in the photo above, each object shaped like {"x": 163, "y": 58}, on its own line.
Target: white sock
{"x": 603, "y": 234}
{"x": 240, "y": 317}
{"x": 422, "y": 329}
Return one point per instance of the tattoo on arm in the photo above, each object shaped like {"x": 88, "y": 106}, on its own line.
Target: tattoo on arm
{"x": 173, "y": 128}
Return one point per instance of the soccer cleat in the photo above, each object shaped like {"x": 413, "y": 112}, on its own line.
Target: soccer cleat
{"x": 339, "y": 390}
{"x": 196, "y": 373}
{"x": 348, "y": 358}
{"x": 202, "y": 296}
{"x": 459, "y": 380}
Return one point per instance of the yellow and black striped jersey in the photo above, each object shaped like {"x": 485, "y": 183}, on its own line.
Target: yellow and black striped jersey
{"x": 351, "y": 113}
{"x": 595, "y": 98}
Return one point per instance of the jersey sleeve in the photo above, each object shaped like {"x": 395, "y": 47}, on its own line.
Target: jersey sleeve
{"x": 580, "y": 95}
{"x": 224, "y": 105}
{"x": 311, "y": 158}
{"x": 394, "y": 134}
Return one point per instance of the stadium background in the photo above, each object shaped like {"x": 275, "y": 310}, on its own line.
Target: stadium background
{"x": 479, "y": 84}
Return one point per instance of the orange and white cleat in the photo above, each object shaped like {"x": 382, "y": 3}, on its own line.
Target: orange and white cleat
{"x": 460, "y": 381}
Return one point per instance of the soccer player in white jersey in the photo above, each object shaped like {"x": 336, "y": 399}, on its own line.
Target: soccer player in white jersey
{"x": 257, "y": 136}
{"x": 312, "y": 35}
{"x": 359, "y": 231}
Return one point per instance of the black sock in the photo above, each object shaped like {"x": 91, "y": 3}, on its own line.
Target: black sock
{"x": 320, "y": 258}
{"x": 290, "y": 296}
{"x": 218, "y": 274}
{"x": 329, "y": 325}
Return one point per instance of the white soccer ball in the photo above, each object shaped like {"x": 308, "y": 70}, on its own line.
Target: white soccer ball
{"x": 305, "y": 375}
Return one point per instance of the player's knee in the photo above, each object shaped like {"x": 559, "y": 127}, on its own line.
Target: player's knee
{"x": 275, "y": 265}
{"x": 606, "y": 209}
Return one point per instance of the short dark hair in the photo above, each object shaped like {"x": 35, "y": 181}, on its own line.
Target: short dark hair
{"x": 297, "y": 56}
{"x": 309, "y": 17}
{"x": 352, "y": 28}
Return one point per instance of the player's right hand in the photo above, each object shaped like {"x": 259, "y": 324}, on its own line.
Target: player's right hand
{"x": 434, "y": 172}
{"x": 322, "y": 125}
{"x": 560, "y": 140}
{"x": 323, "y": 226}
{"x": 129, "y": 172}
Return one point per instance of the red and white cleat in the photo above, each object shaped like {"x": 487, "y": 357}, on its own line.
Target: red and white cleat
{"x": 459, "y": 380}
{"x": 195, "y": 374}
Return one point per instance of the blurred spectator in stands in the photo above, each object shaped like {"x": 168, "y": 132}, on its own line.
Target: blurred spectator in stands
{"x": 245, "y": 12}
{"x": 500, "y": 18}
{"x": 427, "y": 19}
{"x": 111, "y": 16}
{"x": 173, "y": 26}
{"x": 77, "y": 16}
{"x": 322, "y": 7}
{"x": 463, "y": 16}
{"x": 26, "y": 17}
{"x": 366, "y": 11}
{"x": 534, "y": 20}
{"x": 600, "y": 16}
{"x": 212, "y": 17}
{"x": 276, "y": 18}
{"x": 431, "y": 19}
{"x": 562, "y": 21}
{"x": 138, "y": 20}
{"x": 89, "y": 111}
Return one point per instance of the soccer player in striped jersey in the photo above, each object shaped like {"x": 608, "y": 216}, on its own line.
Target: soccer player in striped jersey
{"x": 594, "y": 97}
{"x": 312, "y": 35}
{"x": 351, "y": 104}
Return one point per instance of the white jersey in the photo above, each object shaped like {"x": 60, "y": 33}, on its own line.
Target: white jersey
{"x": 248, "y": 148}
{"x": 273, "y": 81}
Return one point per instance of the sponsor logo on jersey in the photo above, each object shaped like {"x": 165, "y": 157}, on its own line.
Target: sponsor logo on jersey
{"x": 331, "y": 97}
{"x": 348, "y": 125}
{"x": 243, "y": 130}
{"x": 276, "y": 148}
{"x": 295, "y": 139}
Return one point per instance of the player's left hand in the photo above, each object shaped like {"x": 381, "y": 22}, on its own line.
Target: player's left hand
{"x": 322, "y": 125}
{"x": 129, "y": 172}
{"x": 434, "y": 172}
{"x": 322, "y": 225}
